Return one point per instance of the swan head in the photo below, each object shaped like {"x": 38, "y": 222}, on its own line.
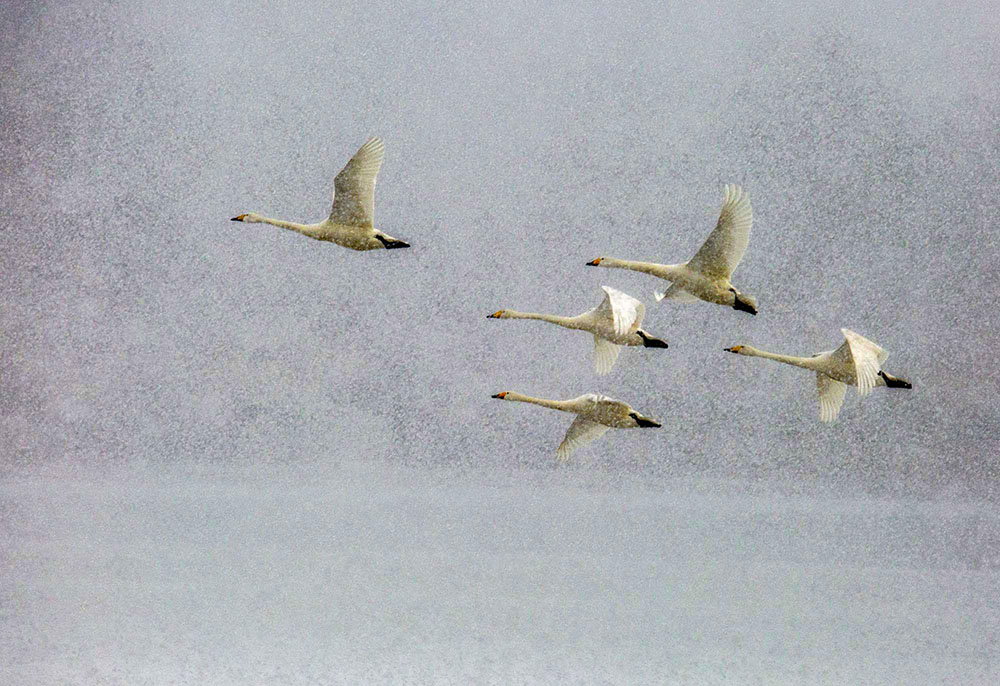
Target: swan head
{"x": 596, "y": 262}
{"x": 499, "y": 314}
{"x": 644, "y": 422}
{"x": 738, "y": 349}
{"x": 249, "y": 218}
{"x": 501, "y": 395}
{"x": 743, "y": 302}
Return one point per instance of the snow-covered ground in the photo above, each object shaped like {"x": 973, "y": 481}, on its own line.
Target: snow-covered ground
{"x": 380, "y": 574}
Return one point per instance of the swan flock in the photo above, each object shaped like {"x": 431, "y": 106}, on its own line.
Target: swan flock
{"x": 616, "y": 321}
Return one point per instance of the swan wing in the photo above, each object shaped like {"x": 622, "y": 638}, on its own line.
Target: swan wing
{"x": 677, "y": 294}
{"x": 605, "y": 355}
{"x": 625, "y": 311}
{"x": 831, "y": 396}
{"x": 354, "y": 187}
{"x": 581, "y": 431}
{"x": 722, "y": 251}
{"x": 868, "y": 358}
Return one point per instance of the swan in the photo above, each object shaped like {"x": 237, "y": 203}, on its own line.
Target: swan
{"x": 595, "y": 415}
{"x": 351, "y": 220}
{"x": 614, "y": 323}
{"x": 857, "y": 362}
{"x": 706, "y": 275}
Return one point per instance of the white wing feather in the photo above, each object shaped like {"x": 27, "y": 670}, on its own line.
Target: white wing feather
{"x": 722, "y": 251}
{"x": 354, "y": 187}
{"x": 581, "y": 431}
{"x": 676, "y": 294}
{"x": 868, "y": 358}
{"x": 625, "y": 311}
{"x": 605, "y": 355}
{"x": 831, "y": 396}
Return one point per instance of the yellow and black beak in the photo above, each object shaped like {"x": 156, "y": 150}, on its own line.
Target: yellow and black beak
{"x": 501, "y": 395}
{"x": 594, "y": 262}
{"x": 238, "y": 219}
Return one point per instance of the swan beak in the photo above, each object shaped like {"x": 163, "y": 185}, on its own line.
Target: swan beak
{"x": 238, "y": 219}
{"x": 495, "y": 315}
{"x": 594, "y": 262}
{"x": 501, "y": 395}
{"x": 728, "y": 350}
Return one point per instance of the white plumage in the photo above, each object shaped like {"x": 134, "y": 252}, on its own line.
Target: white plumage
{"x": 595, "y": 415}
{"x": 352, "y": 218}
{"x": 614, "y": 322}
{"x": 706, "y": 276}
{"x": 857, "y": 362}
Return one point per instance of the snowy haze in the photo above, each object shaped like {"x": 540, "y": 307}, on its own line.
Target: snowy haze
{"x": 234, "y": 455}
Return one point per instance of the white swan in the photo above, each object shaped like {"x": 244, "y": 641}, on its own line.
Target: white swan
{"x": 857, "y": 362}
{"x": 706, "y": 275}
{"x": 351, "y": 220}
{"x": 614, "y": 323}
{"x": 595, "y": 415}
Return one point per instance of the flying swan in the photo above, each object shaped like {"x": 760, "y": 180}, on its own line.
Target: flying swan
{"x": 595, "y": 415}
{"x": 857, "y": 362}
{"x": 706, "y": 275}
{"x": 351, "y": 220}
{"x": 614, "y": 323}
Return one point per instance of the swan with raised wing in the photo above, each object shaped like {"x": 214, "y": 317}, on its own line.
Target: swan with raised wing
{"x": 352, "y": 218}
{"x": 595, "y": 414}
{"x": 614, "y": 323}
{"x": 706, "y": 275}
{"x": 857, "y": 362}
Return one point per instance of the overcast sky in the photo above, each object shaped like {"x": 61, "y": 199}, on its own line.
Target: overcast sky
{"x": 139, "y": 323}
{"x": 231, "y": 454}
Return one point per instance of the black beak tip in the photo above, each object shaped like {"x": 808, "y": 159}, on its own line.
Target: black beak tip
{"x": 235, "y": 219}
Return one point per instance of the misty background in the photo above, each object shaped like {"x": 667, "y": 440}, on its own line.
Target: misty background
{"x": 232, "y": 453}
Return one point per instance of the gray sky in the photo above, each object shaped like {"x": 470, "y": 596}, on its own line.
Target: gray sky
{"x": 138, "y": 323}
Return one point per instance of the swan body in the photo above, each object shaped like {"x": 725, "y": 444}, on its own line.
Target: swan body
{"x": 614, "y": 323}
{"x": 352, "y": 217}
{"x": 706, "y": 276}
{"x": 857, "y": 362}
{"x": 595, "y": 415}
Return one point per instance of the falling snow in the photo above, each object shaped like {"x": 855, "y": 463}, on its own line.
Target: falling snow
{"x": 235, "y": 455}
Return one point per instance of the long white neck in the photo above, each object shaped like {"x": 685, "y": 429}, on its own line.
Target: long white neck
{"x": 568, "y": 322}
{"x": 804, "y": 362}
{"x": 663, "y": 271}
{"x": 306, "y": 229}
{"x": 563, "y": 405}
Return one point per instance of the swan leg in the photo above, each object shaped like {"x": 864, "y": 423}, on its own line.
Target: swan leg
{"x": 894, "y": 381}
{"x": 744, "y": 306}
{"x": 391, "y": 243}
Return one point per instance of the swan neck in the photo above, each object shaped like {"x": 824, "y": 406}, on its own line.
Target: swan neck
{"x": 291, "y": 226}
{"x": 661, "y": 270}
{"x": 804, "y": 362}
{"x": 568, "y": 322}
{"x": 552, "y": 404}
